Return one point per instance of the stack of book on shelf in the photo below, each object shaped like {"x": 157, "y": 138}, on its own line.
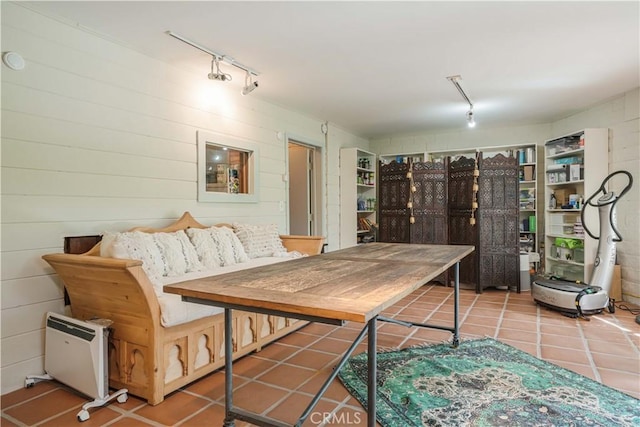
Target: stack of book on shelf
{"x": 365, "y": 224}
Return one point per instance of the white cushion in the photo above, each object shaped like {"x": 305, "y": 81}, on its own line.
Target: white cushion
{"x": 217, "y": 246}
{"x": 174, "y": 311}
{"x": 231, "y": 240}
{"x": 259, "y": 240}
{"x": 162, "y": 254}
{"x": 206, "y": 247}
{"x": 135, "y": 245}
{"x": 178, "y": 253}
{"x": 189, "y": 252}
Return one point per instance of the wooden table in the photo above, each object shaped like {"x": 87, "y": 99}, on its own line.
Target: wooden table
{"x": 354, "y": 284}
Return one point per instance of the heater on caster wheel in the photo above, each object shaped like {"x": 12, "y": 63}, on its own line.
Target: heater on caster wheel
{"x": 76, "y": 355}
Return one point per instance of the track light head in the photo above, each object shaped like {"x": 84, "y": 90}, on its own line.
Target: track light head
{"x": 470, "y": 120}
{"x": 248, "y": 89}
{"x": 221, "y": 77}
{"x": 218, "y": 75}
{"x": 249, "y": 84}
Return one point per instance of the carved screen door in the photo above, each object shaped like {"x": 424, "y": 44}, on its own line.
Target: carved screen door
{"x": 442, "y": 208}
{"x": 392, "y": 203}
{"x": 498, "y": 247}
{"x": 461, "y": 231}
{"x": 430, "y": 206}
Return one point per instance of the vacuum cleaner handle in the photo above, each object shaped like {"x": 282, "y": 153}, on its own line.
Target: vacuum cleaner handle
{"x": 613, "y": 200}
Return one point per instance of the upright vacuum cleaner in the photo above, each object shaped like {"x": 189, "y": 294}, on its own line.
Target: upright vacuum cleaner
{"x": 576, "y": 299}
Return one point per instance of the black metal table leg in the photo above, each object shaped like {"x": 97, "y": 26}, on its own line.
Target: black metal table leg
{"x": 373, "y": 372}
{"x": 456, "y": 306}
{"x": 228, "y": 373}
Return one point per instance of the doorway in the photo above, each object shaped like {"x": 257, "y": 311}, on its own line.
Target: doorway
{"x": 305, "y": 195}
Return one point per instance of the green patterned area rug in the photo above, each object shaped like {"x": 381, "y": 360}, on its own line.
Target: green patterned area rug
{"x": 484, "y": 383}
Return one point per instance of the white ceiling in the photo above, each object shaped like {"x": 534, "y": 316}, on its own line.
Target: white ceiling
{"x": 380, "y": 68}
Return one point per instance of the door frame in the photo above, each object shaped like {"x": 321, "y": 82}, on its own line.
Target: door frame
{"x": 319, "y": 211}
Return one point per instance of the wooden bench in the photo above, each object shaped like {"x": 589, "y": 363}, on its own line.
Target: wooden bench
{"x": 141, "y": 350}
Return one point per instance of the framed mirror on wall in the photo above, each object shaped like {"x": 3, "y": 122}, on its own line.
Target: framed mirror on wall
{"x": 227, "y": 169}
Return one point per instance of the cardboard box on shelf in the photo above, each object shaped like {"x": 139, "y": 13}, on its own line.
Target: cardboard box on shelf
{"x": 528, "y": 173}
{"x": 562, "y": 195}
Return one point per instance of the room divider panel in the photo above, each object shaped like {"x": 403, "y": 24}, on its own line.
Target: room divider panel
{"x": 430, "y": 203}
{"x": 442, "y": 208}
{"x": 429, "y": 200}
{"x": 459, "y": 204}
{"x": 498, "y": 222}
{"x": 393, "y": 188}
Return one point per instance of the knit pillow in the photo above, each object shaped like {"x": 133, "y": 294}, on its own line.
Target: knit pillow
{"x": 178, "y": 253}
{"x": 206, "y": 248}
{"x": 259, "y": 240}
{"x": 135, "y": 245}
{"x": 233, "y": 244}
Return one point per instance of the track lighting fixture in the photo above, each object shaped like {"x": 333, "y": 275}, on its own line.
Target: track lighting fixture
{"x": 249, "y": 84}
{"x": 470, "y": 120}
{"x": 216, "y": 73}
{"x": 456, "y": 82}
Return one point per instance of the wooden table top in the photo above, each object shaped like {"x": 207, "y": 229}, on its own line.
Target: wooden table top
{"x": 354, "y": 284}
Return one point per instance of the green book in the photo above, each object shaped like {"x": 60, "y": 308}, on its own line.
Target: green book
{"x": 532, "y": 223}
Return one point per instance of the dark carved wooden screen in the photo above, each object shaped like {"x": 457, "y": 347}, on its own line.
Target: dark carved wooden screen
{"x": 498, "y": 249}
{"x": 393, "y": 195}
{"x": 430, "y": 206}
{"x": 430, "y": 203}
{"x": 461, "y": 231}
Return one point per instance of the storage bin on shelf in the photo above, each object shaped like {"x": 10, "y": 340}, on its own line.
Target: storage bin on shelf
{"x": 567, "y": 271}
{"x": 567, "y": 249}
{"x": 567, "y": 242}
{"x": 564, "y": 223}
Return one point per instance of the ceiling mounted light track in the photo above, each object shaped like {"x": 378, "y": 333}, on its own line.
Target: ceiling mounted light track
{"x": 471, "y": 122}
{"x": 216, "y": 73}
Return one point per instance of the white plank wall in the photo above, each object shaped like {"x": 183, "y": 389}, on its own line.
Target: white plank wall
{"x": 95, "y": 137}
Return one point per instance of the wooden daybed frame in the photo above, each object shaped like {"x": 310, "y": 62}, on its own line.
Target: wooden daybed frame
{"x": 140, "y": 348}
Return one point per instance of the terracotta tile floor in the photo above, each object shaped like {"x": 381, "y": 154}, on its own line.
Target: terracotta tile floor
{"x": 280, "y": 380}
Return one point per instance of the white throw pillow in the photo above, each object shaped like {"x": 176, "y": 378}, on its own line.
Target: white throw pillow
{"x": 178, "y": 254}
{"x": 106, "y": 244}
{"x": 217, "y": 246}
{"x": 223, "y": 244}
{"x": 136, "y": 245}
{"x": 189, "y": 251}
{"x": 171, "y": 252}
{"x": 259, "y": 240}
{"x": 206, "y": 247}
{"x": 232, "y": 240}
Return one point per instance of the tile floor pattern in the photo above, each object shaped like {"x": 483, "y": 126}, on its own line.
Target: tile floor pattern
{"x": 281, "y": 379}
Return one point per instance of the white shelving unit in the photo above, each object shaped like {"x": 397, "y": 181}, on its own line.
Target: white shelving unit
{"x": 528, "y": 196}
{"x": 575, "y": 166}
{"x": 358, "y": 174}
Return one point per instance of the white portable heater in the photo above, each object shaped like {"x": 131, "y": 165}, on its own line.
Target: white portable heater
{"x": 76, "y": 355}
